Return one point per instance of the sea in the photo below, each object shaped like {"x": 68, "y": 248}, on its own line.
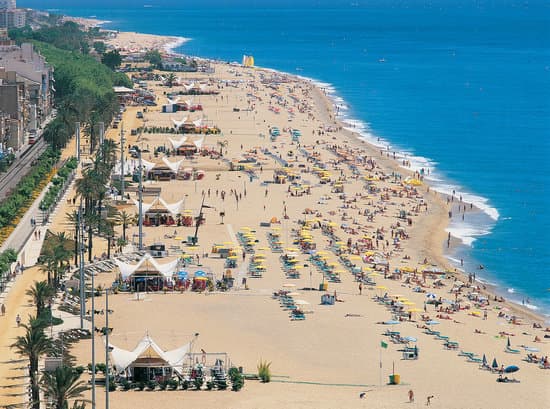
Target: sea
{"x": 459, "y": 87}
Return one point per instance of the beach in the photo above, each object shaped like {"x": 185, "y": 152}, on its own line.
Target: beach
{"x": 368, "y": 219}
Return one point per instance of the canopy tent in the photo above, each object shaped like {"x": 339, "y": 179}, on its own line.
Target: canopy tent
{"x": 147, "y": 165}
{"x": 198, "y": 143}
{"x": 178, "y": 124}
{"x": 173, "y": 208}
{"x": 167, "y": 269}
{"x": 177, "y": 144}
{"x": 148, "y": 354}
{"x": 172, "y": 165}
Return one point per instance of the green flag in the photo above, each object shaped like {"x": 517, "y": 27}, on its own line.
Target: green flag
{"x": 383, "y": 344}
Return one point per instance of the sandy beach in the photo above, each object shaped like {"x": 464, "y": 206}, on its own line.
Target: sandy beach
{"x": 378, "y": 235}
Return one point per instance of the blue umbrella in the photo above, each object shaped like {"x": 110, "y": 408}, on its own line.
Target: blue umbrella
{"x": 511, "y": 369}
{"x": 484, "y": 360}
{"x": 200, "y": 274}
{"x": 508, "y": 343}
{"x": 410, "y": 339}
{"x": 182, "y": 275}
{"x": 495, "y": 364}
{"x": 432, "y": 322}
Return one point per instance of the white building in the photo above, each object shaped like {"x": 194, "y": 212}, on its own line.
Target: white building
{"x": 8, "y": 4}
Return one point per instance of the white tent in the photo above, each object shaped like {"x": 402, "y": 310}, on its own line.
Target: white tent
{"x": 148, "y": 165}
{"x": 167, "y": 269}
{"x": 145, "y": 206}
{"x": 177, "y": 144}
{"x": 172, "y": 101}
{"x": 172, "y": 165}
{"x": 147, "y": 348}
{"x": 177, "y": 123}
{"x": 173, "y": 208}
{"x": 198, "y": 123}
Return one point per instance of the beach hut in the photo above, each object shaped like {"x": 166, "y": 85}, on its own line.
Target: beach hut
{"x": 147, "y": 274}
{"x": 147, "y": 361}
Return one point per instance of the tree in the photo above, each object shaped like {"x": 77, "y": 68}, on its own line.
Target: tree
{"x": 171, "y": 79}
{"x": 100, "y": 47}
{"x": 124, "y": 219}
{"x": 41, "y": 293}
{"x": 112, "y": 59}
{"x": 63, "y": 385}
{"x": 154, "y": 57}
{"x": 56, "y": 252}
{"x": 33, "y": 344}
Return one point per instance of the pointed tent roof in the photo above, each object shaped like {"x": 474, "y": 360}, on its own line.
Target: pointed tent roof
{"x": 147, "y": 348}
{"x": 166, "y": 269}
{"x": 177, "y": 144}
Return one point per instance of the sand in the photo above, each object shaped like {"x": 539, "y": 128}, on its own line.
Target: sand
{"x": 334, "y": 355}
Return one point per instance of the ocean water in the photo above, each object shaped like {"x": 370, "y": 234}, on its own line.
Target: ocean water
{"x": 460, "y": 87}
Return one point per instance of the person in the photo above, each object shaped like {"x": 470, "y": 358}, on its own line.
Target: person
{"x": 203, "y": 360}
{"x": 3, "y": 310}
{"x": 411, "y": 396}
{"x": 360, "y": 288}
{"x": 429, "y": 400}
{"x": 18, "y": 320}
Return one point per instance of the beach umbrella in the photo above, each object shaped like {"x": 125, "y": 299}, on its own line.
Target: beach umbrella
{"x": 511, "y": 369}
{"x": 508, "y": 343}
{"x": 410, "y": 339}
{"x": 431, "y": 296}
{"x": 381, "y": 287}
{"x": 391, "y": 322}
{"x": 484, "y": 360}
{"x": 289, "y": 285}
{"x": 494, "y": 365}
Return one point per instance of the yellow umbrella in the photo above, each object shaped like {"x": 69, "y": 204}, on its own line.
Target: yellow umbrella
{"x": 381, "y": 287}
{"x": 414, "y": 310}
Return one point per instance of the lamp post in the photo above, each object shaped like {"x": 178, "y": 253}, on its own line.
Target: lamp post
{"x": 81, "y": 267}
{"x": 140, "y": 198}
{"x": 93, "y": 342}
{"x": 122, "y": 140}
{"x": 107, "y": 376}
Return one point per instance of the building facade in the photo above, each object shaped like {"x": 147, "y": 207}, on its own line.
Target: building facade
{"x": 26, "y": 93}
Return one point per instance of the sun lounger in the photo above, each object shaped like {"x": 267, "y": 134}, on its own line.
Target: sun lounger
{"x": 512, "y": 351}
{"x": 451, "y": 345}
{"x": 442, "y": 337}
{"x": 464, "y": 353}
{"x": 473, "y": 359}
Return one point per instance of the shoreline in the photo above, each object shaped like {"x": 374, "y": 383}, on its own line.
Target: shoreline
{"x": 331, "y": 101}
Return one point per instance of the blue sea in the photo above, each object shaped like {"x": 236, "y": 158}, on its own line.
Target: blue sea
{"x": 460, "y": 87}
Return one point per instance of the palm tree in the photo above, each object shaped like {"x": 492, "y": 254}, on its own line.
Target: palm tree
{"x": 124, "y": 219}
{"x": 56, "y": 252}
{"x": 73, "y": 220}
{"x": 41, "y": 293}
{"x": 61, "y": 385}
{"x": 33, "y": 344}
{"x": 222, "y": 144}
{"x": 170, "y": 79}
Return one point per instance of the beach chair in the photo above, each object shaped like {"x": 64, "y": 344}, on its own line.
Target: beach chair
{"x": 441, "y": 337}
{"x": 512, "y": 351}
{"x": 451, "y": 345}
{"x": 466, "y": 354}
{"x": 474, "y": 359}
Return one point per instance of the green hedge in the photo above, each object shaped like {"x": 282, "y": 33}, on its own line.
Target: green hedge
{"x": 14, "y": 205}
{"x": 58, "y": 182}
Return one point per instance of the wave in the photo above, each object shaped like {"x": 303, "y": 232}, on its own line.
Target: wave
{"x": 511, "y": 290}
{"x": 171, "y": 47}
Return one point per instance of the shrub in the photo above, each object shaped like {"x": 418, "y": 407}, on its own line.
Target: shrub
{"x": 264, "y": 371}
{"x": 125, "y": 385}
{"x": 185, "y": 385}
{"x": 173, "y": 384}
{"x": 237, "y": 379}
{"x": 112, "y": 386}
{"x": 197, "y": 382}
{"x": 210, "y": 385}
{"x": 151, "y": 385}
{"x": 140, "y": 385}
{"x": 163, "y": 385}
